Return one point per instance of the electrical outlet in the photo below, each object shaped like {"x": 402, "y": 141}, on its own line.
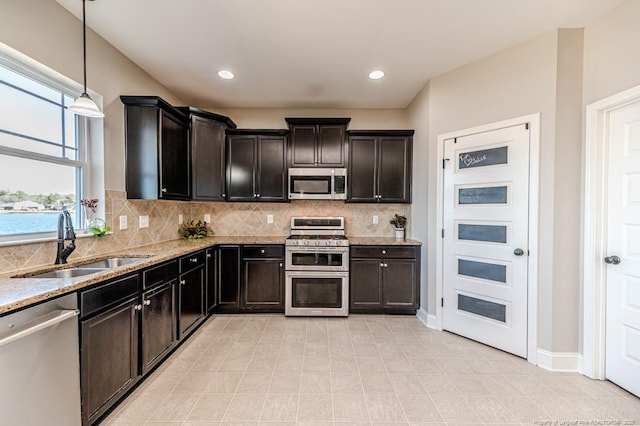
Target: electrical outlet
{"x": 207, "y": 218}
{"x": 269, "y": 218}
{"x": 123, "y": 222}
{"x": 375, "y": 219}
{"x": 180, "y": 219}
{"x": 144, "y": 221}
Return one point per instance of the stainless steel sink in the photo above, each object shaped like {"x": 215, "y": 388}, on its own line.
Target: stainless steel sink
{"x": 69, "y": 273}
{"x": 113, "y": 262}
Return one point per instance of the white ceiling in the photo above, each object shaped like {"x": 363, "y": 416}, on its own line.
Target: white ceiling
{"x": 317, "y": 53}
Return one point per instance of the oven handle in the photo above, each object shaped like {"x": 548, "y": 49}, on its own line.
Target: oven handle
{"x": 344, "y": 249}
{"x": 317, "y": 274}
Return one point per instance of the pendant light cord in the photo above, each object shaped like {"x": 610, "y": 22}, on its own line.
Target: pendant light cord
{"x": 84, "y": 44}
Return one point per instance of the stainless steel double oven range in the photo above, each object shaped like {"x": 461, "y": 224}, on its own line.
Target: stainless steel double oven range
{"x": 317, "y": 267}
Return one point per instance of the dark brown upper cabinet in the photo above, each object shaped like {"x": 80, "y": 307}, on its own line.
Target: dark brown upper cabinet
{"x": 207, "y": 138}
{"x": 157, "y": 150}
{"x": 380, "y": 166}
{"x": 318, "y": 142}
{"x": 256, "y": 165}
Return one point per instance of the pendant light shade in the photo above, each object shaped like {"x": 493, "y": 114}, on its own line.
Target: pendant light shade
{"x": 84, "y": 105}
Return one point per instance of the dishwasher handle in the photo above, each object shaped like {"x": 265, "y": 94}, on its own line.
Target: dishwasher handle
{"x": 40, "y": 323}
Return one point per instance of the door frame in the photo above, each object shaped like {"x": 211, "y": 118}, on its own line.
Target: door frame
{"x": 532, "y": 260}
{"x": 594, "y": 229}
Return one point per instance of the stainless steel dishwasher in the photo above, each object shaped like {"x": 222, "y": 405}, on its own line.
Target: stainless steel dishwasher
{"x": 39, "y": 366}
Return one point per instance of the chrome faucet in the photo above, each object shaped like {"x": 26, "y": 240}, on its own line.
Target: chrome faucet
{"x": 65, "y": 233}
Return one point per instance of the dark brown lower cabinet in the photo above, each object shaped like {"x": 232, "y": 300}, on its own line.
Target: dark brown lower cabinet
{"x": 109, "y": 357}
{"x": 158, "y": 324}
{"x": 191, "y": 311}
{"x": 263, "y": 278}
{"x": 385, "y": 279}
{"x": 228, "y": 276}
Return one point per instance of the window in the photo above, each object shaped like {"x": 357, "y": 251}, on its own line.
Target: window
{"x": 43, "y": 155}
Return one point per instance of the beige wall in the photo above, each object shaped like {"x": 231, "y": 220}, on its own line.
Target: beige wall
{"x": 418, "y": 119}
{"x": 361, "y": 119}
{"x": 611, "y": 60}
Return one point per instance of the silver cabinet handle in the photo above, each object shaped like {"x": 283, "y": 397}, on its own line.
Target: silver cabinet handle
{"x": 164, "y": 190}
{"x": 183, "y": 282}
{"x": 281, "y": 265}
{"x": 147, "y": 302}
{"x": 209, "y": 255}
{"x": 258, "y": 195}
{"x": 612, "y": 260}
{"x": 381, "y": 265}
{"x": 384, "y": 252}
{"x": 193, "y": 260}
{"x": 138, "y": 307}
{"x": 385, "y": 265}
{"x": 262, "y": 251}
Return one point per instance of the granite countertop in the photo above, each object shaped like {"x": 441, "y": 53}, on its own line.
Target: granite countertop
{"x": 17, "y": 293}
{"x": 382, "y": 241}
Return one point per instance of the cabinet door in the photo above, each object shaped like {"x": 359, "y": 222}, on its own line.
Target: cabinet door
{"x": 362, "y": 176}
{"x": 272, "y": 169}
{"x": 207, "y": 159}
{"x": 174, "y": 159}
{"x": 109, "y": 358}
{"x": 229, "y": 278}
{"x": 365, "y": 283}
{"x": 394, "y": 178}
{"x": 263, "y": 284}
{"x": 211, "y": 285}
{"x": 303, "y": 146}
{"x": 399, "y": 283}
{"x": 191, "y": 295}
{"x": 158, "y": 324}
{"x": 240, "y": 168}
{"x": 331, "y": 146}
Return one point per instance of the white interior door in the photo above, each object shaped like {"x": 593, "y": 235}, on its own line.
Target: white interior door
{"x": 486, "y": 226}
{"x": 622, "y": 353}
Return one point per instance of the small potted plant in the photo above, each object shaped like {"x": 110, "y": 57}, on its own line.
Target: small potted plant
{"x": 94, "y": 225}
{"x": 400, "y": 222}
{"x": 194, "y": 230}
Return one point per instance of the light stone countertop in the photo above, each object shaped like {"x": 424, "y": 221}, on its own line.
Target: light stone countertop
{"x": 382, "y": 241}
{"x": 17, "y": 293}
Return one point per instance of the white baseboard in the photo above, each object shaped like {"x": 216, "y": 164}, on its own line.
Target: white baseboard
{"x": 426, "y": 318}
{"x": 559, "y": 361}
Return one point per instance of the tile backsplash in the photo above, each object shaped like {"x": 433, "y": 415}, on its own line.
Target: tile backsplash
{"x": 227, "y": 219}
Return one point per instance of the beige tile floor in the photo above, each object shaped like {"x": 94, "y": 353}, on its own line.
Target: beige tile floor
{"x": 262, "y": 369}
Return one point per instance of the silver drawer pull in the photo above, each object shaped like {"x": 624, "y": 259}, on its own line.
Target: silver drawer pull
{"x": 138, "y": 307}
{"x": 193, "y": 260}
{"x": 384, "y": 252}
{"x": 147, "y": 302}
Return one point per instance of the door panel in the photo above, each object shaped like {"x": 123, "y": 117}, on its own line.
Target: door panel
{"x": 362, "y": 177}
{"x": 240, "y": 165}
{"x": 394, "y": 179}
{"x": 272, "y": 179}
{"x": 486, "y": 203}
{"x": 623, "y": 279}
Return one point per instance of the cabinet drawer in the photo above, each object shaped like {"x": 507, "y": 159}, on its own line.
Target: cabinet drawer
{"x": 105, "y": 295}
{"x": 398, "y": 252}
{"x": 263, "y": 251}
{"x": 191, "y": 261}
{"x": 159, "y": 274}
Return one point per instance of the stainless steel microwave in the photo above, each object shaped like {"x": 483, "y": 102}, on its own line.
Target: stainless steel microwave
{"x": 317, "y": 184}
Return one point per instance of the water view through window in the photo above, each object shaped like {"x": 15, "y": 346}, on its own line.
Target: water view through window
{"x": 40, "y": 155}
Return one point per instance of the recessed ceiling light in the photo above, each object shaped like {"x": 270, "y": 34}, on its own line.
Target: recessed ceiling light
{"x": 226, "y": 74}
{"x": 376, "y": 75}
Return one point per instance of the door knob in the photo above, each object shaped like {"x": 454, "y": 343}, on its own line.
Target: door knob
{"x": 518, "y": 252}
{"x": 612, "y": 260}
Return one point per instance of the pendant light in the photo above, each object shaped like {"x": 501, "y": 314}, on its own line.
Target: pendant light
{"x": 84, "y": 105}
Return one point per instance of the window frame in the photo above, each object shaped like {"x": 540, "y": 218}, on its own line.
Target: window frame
{"x": 89, "y": 138}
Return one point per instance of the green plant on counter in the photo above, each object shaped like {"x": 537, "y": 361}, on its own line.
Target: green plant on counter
{"x": 97, "y": 227}
{"x": 399, "y": 222}
{"x": 193, "y": 230}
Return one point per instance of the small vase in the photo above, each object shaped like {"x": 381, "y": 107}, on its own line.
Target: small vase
{"x": 400, "y": 234}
